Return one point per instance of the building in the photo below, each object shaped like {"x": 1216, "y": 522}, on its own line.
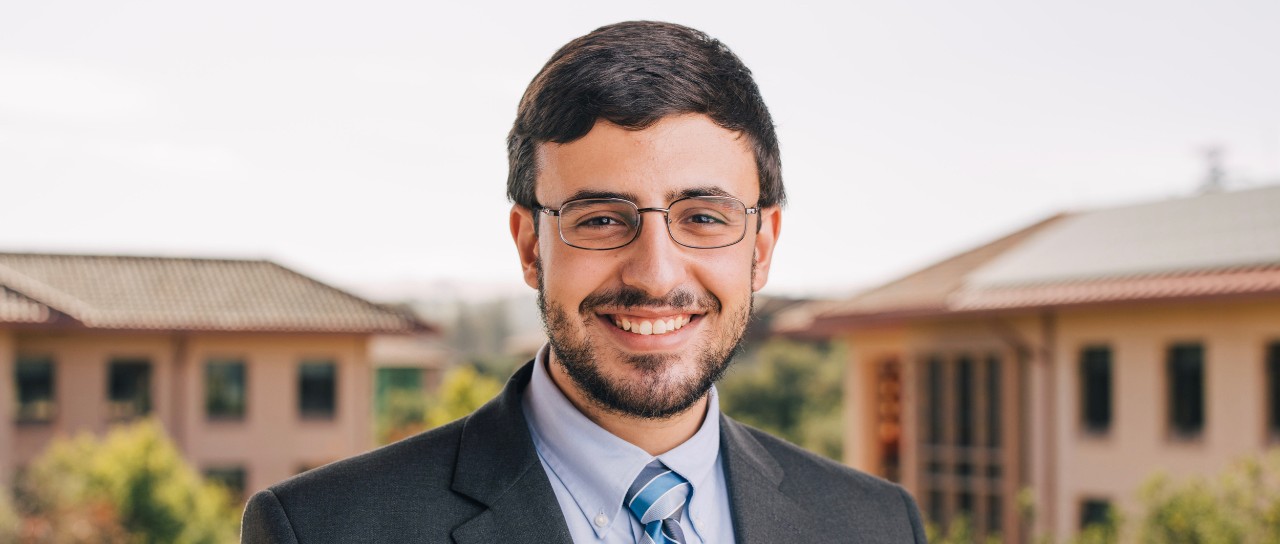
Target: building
{"x": 1074, "y": 358}
{"x": 256, "y": 372}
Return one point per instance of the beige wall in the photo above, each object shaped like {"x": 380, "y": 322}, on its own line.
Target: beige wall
{"x": 6, "y": 408}
{"x": 1064, "y": 465}
{"x": 868, "y": 349}
{"x": 271, "y": 442}
{"x": 1234, "y": 335}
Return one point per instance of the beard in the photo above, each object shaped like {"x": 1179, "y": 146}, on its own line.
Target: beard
{"x": 659, "y": 393}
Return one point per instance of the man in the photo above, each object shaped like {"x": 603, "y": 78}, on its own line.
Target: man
{"x": 647, "y": 185}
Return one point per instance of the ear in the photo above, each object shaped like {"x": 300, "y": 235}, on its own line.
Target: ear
{"x": 766, "y": 240}
{"x": 526, "y": 240}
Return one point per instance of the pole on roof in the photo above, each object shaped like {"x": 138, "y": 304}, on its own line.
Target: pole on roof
{"x": 1215, "y": 175}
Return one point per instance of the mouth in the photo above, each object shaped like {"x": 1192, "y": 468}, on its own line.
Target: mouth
{"x": 650, "y": 325}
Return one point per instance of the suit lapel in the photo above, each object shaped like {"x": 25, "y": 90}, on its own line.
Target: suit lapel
{"x": 498, "y": 467}
{"x": 761, "y": 511}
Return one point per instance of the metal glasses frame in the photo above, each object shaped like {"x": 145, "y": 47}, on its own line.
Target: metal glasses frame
{"x": 666, "y": 215}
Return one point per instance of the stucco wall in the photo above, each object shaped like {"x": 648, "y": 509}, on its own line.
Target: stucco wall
{"x": 1234, "y": 335}
{"x": 1062, "y": 464}
{"x": 272, "y": 441}
{"x": 6, "y": 408}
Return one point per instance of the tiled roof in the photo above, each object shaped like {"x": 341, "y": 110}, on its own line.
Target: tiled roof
{"x": 1207, "y": 232}
{"x": 15, "y": 308}
{"x": 1214, "y": 245}
{"x": 159, "y": 293}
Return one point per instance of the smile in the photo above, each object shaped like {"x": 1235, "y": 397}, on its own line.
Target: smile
{"x": 646, "y": 326}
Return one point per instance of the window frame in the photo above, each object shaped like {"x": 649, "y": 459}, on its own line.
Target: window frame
{"x": 1085, "y": 390}
{"x": 22, "y": 416}
{"x": 1271, "y": 375}
{"x": 217, "y": 474}
{"x": 231, "y": 416}
{"x": 144, "y": 404}
{"x": 1172, "y": 403}
{"x": 313, "y": 414}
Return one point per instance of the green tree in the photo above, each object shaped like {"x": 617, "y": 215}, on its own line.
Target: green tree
{"x": 132, "y": 486}
{"x": 1241, "y": 505}
{"x": 461, "y": 392}
{"x": 792, "y": 389}
{"x": 403, "y": 413}
{"x": 959, "y": 531}
{"x": 8, "y": 519}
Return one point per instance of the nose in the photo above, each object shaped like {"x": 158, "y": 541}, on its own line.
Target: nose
{"x": 654, "y": 263}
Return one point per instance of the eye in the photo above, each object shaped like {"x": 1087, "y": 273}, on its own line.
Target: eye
{"x": 705, "y": 219}
{"x": 600, "y": 221}
{"x": 702, "y": 216}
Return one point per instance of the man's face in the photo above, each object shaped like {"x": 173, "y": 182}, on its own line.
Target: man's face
{"x": 652, "y": 284}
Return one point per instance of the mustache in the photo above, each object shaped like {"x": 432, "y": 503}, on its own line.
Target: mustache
{"x": 630, "y": 297}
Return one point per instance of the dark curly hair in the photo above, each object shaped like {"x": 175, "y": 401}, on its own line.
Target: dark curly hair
{"x": 633, "y": 74}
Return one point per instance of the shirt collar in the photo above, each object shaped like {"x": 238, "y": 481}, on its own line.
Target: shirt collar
{"x": 597, "y": 467}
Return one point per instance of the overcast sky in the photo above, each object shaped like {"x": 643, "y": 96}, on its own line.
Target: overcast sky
{"x": 363, "y": 143}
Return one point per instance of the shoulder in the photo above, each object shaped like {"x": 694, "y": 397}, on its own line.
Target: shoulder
{"x": 813, "y": 469}
{"x": 830, "y": 490}
{"x": 404, "y": 485}
{"x": 425, "y": 458}
{"x": 417, "y": 489}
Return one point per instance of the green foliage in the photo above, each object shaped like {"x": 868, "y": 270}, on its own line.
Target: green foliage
{"x": 1241, "y": 505}
{"x": 132, "y": 486}
{"x": 497, "y": 366}
{"x": 462, "y": 391}
{"x": 793, "y": 390}
{"x": 403, "y": 413}
{"x": 406, "y": 412}
{"x": 959, "y": 531}
{"x": 8, "y": 519}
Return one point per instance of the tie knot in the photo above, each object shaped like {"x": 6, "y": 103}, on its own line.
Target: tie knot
{"x": 658, "y": 493}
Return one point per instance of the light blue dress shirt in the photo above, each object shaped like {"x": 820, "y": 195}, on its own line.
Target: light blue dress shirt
{"x": 590, "y": 469}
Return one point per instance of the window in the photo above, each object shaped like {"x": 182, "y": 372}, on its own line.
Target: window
{"x": 1095, "y": 389}
{"x": 993, "y": 401}
{"x": 230, "y": 478}
{"x": 224, "y": 389}
{"x": 316, "y": 380}
{"x": 964, "y": 399}
{"x": 1273, "y": 387}
{"x": 933, "y": 398}
{"x": 34, "y": 379}
{"x": 129, "y": 388}
{"x": 1094, "y": 512}
{"x": 1186, "y": 390}
{"x": 995, "y": 517}
{"x": 960, "y": 458}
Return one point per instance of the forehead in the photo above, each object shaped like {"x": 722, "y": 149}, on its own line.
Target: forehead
{"x": 677, "y": 156}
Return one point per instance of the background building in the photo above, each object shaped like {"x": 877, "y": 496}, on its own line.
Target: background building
{"x": 256, "y": 372}
{"x": 1074, "y": 357}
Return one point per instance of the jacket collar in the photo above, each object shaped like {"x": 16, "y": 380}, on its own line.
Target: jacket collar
{"x": 761, "y": 510}
{"x": 498, "y": 467}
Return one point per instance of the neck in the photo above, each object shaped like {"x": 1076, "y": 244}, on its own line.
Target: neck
{"x": 655, "y": 436}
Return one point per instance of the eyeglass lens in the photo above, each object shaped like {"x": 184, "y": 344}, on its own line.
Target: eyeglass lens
{"x": 700, "y": 222}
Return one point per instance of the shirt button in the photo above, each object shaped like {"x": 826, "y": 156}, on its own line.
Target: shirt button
{"x": 601, "y": 520}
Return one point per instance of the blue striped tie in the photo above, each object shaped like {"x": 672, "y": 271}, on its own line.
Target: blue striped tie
{"x": 657, "y": 498}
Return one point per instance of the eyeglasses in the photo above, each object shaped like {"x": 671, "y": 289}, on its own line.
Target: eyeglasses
{"x": 701, "y": 222}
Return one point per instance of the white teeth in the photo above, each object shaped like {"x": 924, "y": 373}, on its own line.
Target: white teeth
{"x": 657, "y": 326}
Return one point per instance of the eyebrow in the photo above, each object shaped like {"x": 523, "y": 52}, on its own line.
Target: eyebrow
{"x": 672, "y": 196}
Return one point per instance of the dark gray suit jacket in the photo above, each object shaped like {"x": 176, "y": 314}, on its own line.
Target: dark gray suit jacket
{"x": 479, "y": 480}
